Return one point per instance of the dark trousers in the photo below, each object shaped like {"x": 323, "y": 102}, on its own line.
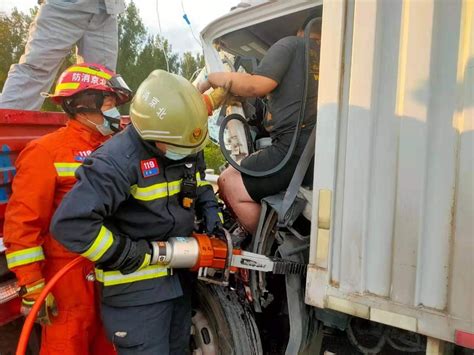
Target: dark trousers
{"x": 159, "y": 328}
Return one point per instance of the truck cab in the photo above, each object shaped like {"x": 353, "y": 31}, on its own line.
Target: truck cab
{"x": 391, "y": 205}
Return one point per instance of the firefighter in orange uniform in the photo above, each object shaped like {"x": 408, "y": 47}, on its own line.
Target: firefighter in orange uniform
{"x": 89, "y": 94}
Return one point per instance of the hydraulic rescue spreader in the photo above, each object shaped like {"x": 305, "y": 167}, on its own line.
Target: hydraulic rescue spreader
{"x": 214, "y": 259}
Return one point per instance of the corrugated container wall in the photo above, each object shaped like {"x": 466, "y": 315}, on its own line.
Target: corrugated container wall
{"x": 394, "y": 176}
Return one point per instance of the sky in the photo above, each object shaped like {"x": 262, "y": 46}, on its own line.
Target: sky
{"x": 173, "y": 27}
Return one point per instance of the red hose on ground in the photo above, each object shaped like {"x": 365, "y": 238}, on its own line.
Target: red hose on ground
{"x": 30, "y": 319}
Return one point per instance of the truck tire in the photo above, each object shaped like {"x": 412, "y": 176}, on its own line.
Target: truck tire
{"x": 222, "y": 324}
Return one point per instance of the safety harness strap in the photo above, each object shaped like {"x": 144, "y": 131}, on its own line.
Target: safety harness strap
{"x": 296, "y": 180}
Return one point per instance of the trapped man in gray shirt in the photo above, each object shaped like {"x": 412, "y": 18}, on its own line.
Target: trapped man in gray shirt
{"x": 280, "y": 76}
{"x": 58, "y": 26}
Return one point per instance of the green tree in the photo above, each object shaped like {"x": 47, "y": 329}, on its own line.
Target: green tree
{"x": 13, "y": 35}
{"x": 214, "y": 158}
{"x": 132, "y": 36}
{"x": 190, "y": 64}
{"x": 152, "y": 57}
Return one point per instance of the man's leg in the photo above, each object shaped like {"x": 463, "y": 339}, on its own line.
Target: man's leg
{"x": 233, "y": 192}
{"x": 139, "y": 330}
{"x": 101, "y": 345}
{"x": 100, "y": 42}
{"x": 52, "y": 35}
{"x": 98, "y": 342}
{"x": 180, "y": 326}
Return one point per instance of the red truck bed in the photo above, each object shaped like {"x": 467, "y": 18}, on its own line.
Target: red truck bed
{"x": 17, "y": 128}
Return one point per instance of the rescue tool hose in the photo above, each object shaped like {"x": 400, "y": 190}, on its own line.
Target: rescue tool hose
{"x": 30, "y": 319}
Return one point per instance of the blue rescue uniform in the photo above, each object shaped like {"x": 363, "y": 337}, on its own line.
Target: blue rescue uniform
{"x": 127, "y": 190}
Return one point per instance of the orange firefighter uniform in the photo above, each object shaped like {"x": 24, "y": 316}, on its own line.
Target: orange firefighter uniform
{"x": 45, "y": 173}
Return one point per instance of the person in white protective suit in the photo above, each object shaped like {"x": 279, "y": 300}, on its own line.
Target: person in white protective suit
{"x": 58, "y": 26}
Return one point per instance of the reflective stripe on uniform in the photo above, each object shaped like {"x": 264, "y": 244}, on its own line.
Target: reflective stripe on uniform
{"x": 25, "y": 256}
{"x": 221, "y": 217}
{"x": 146, "y": 262}
{"x": 28, "y": 302}
{"x": 201, "y": 182}
{"x": 89, "y": 71}
{"x": 111, "y": 278}
{"x": 34, "y": 288}
{"x": 66, "y": 169}
{"x": 149, "y": 193}
{"x": 101, "y": 244}
{"x": 161, "y": 190}
{"x": 174, "y": 187}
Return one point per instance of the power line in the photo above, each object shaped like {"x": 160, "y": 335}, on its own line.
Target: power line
{"x": 185, "y": 17}
{"x": 161, "y": 39}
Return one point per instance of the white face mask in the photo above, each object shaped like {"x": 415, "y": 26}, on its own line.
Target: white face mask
{"x": 174, "y": 156}
{"x": 103, "y": 128}
{"x": 110, "y": 115}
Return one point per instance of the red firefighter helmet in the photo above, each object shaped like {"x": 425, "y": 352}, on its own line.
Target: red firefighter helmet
{"x": 90, "y": 76}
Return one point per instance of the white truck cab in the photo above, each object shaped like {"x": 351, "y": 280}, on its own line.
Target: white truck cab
{"x": 391, "y": 244}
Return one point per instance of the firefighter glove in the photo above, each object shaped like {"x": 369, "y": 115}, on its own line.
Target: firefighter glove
{"x": 219, "y": 233}
{"x": 138, "y": 257}
{"x": 30, "y": 294}
{"x": 219, "y": 97}
{"x": 213, "y": 220}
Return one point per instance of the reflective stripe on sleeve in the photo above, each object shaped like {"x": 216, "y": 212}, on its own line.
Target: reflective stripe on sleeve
{"x": 28, "y": 302}
{"x": 221, "y": 217}
{"x": 111, "y": 278}
{"x": 101, "y": 244}
{"x": 24, "y": 257}
{"x": 34, "y": 287}
{"x": 66, "y": 169}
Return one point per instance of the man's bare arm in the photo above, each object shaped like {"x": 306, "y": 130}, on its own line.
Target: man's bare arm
{"x": 243, "y": 84}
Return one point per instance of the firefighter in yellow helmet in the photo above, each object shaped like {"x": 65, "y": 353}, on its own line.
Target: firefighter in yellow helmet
{"x": 145, "y": 184}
